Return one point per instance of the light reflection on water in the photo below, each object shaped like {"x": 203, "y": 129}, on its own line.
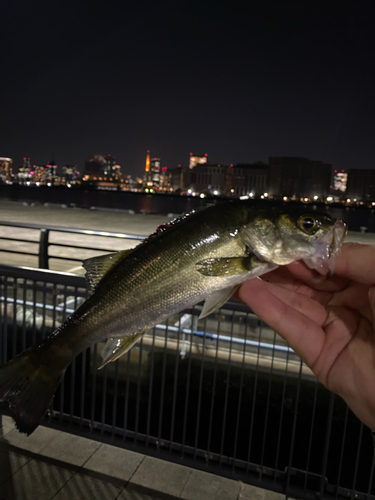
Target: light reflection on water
{"x": 157, "y": 204}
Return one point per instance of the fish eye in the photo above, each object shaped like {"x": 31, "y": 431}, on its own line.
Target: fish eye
{"x": 307, "y": 223}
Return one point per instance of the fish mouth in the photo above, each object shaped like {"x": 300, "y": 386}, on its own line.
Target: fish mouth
{"x": 327, "y": 248}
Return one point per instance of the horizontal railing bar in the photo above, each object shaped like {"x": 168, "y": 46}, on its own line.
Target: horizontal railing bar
{"x": 187, "y": 331}
{"x": 60, "y": 257}
{"x": 19, "y": 240}
{"x": 5, "y": 250}
{"x": 73, "y": 230}
{"x": 37, "y": 305}
{"x": 66, "y": 245}
{"x": 46, "y": 275}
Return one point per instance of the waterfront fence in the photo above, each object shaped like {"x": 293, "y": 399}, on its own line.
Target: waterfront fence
{"x": 224, "y": 394}
{"x": 44, "y": 243}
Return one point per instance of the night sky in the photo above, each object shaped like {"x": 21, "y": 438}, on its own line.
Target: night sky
{"x": 240, "y": 81}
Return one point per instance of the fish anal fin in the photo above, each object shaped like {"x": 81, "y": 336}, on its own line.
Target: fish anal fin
{"x": 97, "y": 267}
{"x": 117, "y": 347}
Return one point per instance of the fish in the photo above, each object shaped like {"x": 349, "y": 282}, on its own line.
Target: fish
{"x": 201, "y": 256}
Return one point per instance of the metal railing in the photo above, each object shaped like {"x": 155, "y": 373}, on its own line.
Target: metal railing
{"x": 223, "y": 394}
{"x": 38, "y": 236}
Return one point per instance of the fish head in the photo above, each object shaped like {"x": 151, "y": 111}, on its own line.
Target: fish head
{"x": 283, "y": 236}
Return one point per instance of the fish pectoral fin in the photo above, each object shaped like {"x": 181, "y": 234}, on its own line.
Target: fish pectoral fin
{"x": 226, "y": 266}
{"x": 97, "y": 267}
{"x": 116, "y": 347}
{"x": 216, "y": 300}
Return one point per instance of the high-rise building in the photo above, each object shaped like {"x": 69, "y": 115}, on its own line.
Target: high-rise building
{"x": 25, "y": 173}
{"x": 6, "y": 169}
{"x": 249, "y": 179}
{"x": 153, "y": 173}
{"x": 155, "y": 167}
{"x": 340, "y": 181}
{"x": 361, "y": 184}
{"x": 103, "y": 169}
{"x": 298, "y": 177}
{"x": 212, "y": 178}
{"x": 51, "y": 170}
{"x": 180, "y": 178}
{"x": 195, "y": 160}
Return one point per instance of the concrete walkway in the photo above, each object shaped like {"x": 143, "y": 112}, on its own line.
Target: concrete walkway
{"x": 56, "y": 465}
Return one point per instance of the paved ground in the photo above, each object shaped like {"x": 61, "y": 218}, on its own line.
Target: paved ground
{"x": 51, "y": 464}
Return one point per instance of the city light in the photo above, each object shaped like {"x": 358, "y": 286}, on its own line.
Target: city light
{"x": 209, "y": 179}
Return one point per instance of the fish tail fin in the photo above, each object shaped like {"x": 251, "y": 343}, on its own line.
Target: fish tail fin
{"x": 27, "y": 385}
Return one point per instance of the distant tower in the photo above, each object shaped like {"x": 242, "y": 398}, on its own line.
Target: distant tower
{"x": 147, "y": 176}
{"x": 147, "y": 168}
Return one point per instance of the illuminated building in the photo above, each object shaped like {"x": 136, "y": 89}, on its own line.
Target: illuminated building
{"x": 6, "y": 169}
{"x": 340, "y": 180}
{"x": 195, "y": 160}
{"x": 298, "y": 177}
{"x": 249, "y": 179}
{"x": 69, "y": 174}
{"x": 51, "y": 171}
{"x": 25, "y": 173}
{"x": 153, "y": 177}
{"x": 164, "y": 179}
{"x": 155, "y": 171}
{"x": 102, "y": 169}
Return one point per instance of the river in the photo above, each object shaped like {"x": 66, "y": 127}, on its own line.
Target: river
{"x": 162, "y": 204}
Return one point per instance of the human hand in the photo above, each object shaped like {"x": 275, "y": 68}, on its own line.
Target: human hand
{"x": 329, "y": 321}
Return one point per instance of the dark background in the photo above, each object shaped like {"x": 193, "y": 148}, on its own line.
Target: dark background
{"x": 240, "y": 81}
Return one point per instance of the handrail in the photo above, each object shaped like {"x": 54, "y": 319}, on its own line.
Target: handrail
{"x": 44, "y": 242}
{"x": 90, "y": 232}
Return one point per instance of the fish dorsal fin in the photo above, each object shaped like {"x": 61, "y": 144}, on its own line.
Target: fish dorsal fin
{"x": 117, "y": 347}
{"x": 216, "y": 300}
{"x": 97, "y": 267}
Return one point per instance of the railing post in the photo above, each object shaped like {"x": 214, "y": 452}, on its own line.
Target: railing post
{"x": 43, "y": 249}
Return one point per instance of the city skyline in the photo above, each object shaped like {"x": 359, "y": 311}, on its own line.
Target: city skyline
{"x": 241, "y": 81}
{"x": 186, "y": 164}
